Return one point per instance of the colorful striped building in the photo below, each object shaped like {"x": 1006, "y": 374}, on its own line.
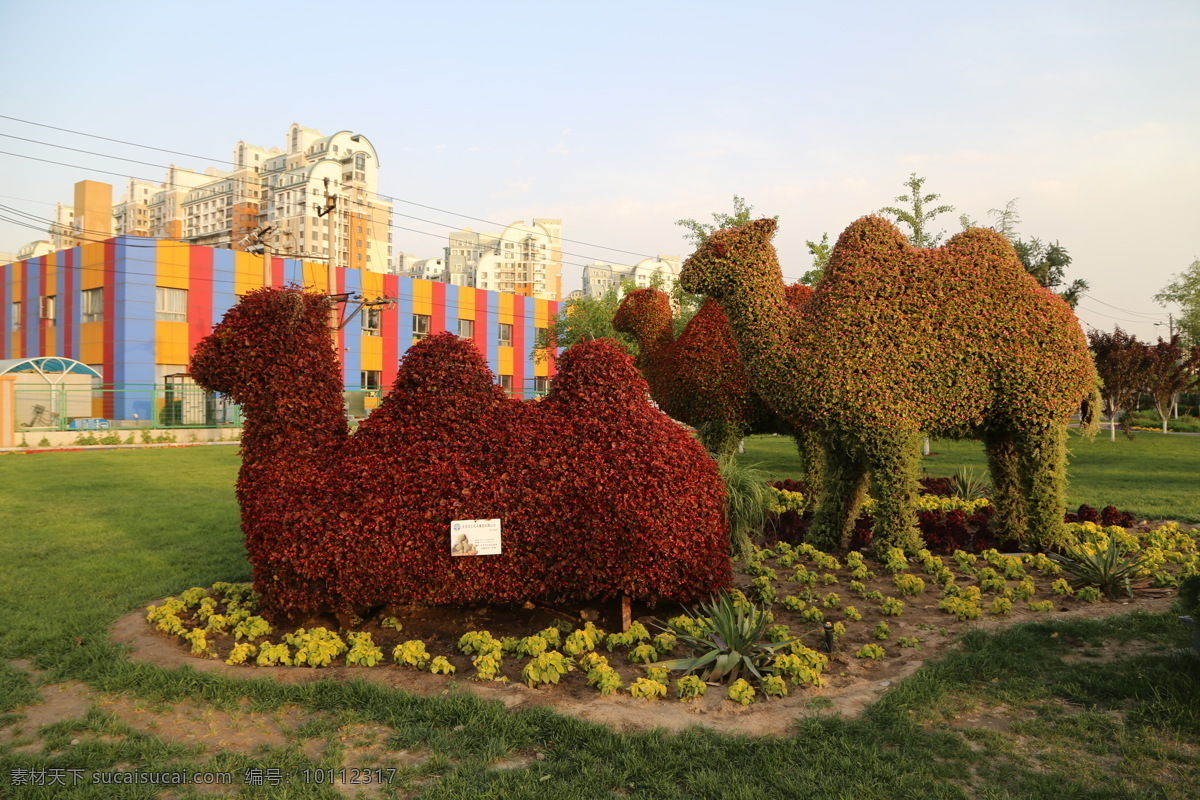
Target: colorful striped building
{"x": 134, "y": 309}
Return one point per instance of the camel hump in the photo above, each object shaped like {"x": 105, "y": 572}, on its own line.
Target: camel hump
{"x": 445, "y": 364}
{"x": 598, "y": 371}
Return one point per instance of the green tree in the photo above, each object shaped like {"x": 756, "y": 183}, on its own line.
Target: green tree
{"x": 918, "y": 215}
{"x": 698, "y": 232}
{"x": 1184, "y": 291}
{"x": 584, "y": 318}
{"x": 1047, "y": 262}
{"x": 820, "y": 252}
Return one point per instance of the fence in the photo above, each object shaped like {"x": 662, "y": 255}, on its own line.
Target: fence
{"x": 170, "y": 405}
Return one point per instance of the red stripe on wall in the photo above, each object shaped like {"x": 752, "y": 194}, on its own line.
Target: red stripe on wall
{"x": 520, "y": 305}
{"x": 200, "y": 295}
{"x": 437, "y": 322}
{"x": 43, "y": 324}
{"x": 551, "y": 367}
{"x": 110, "y": 325}
{"x": 66, "y": 304}
{"x": 389, "y": 330}
{"x": 19, "y": 335}
{"x": 277, "y": 272}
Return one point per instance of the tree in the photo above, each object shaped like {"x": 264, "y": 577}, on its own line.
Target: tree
{"x": 820, "y": 252}
{"x": 1044, "y": 261}
{"x": 1121, "y": 362}
{"x": 917, "y": 217}
{"x": 584, "y": 318}
{"x": 698, "y": 232}
{"x": 1169, "y": 371}
{"x": 1184, "y": 291}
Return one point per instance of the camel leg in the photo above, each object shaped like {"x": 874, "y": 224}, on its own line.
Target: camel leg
{"x": 1043, "y": 464}
{"x": 808, "y": 447}
{"x": 720, "y": 437}
{"x": 894, "y": 465}
{"x": 1008, "y": 498}
{"x": 842, "y": 490}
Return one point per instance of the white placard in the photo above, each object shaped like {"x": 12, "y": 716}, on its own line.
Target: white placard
{"x": 475, "y": 537}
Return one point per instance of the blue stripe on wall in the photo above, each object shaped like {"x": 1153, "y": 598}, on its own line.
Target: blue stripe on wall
{"x": 352, "y": 358}
{"x": 404, "y": 322}
{"x": 223, "y": 283}
{"x": 493, "y": 332}
{"x": 135, "y": 276}
{"x": 452, "y": 308}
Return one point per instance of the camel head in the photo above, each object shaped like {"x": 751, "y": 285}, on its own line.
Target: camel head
{"x": 269, "y": 335}
{"x": 731, "y": 258}
{"x": 644, "y": 314}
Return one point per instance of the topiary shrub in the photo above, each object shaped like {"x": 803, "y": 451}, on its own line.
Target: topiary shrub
{"x": 598, "y": 492}
{"x": 899, "y": 342}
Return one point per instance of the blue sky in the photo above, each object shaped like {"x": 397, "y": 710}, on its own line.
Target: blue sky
{"x": 621, "y": 117}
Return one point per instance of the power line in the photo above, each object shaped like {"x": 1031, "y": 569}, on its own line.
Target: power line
{"x": 224, "y": 161}
{"x": 1159, "y": 315}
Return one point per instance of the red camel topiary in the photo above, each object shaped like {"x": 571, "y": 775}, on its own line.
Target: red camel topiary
{"x": 897, "y": 341}
{"x": 699, "y": 379}
{"x": 598, "y": 493}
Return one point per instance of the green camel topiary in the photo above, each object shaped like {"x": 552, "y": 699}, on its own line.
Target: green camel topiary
{"x": 955, "y": 341}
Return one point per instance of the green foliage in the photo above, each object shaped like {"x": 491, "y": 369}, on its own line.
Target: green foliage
{"x": 699, "y": 232}
{"x": 1048, "y": 263}
{"x": 871, "y": 651}
{"x": 820, "y": 252}
{"x": 968, "y": 485}
{"x": 893, "y": 607}
{"x": 733, "y": 639}
{"x": 1184, "y": 291}
{"x": 582, "y": 319}
{"x": 363, "y": 650}
{"x": 317, "y": 647}
{"x": 604, "y": 678}
{"x": 1001, "y": 607}
{"x": 546, "y": 668}
{"x": 909, "y": 585}
{"x": 649, "y": 689}
{"x": 689, "y": 687}
{"x": 917, "y": 216}
{"x": 740, "y": 691}
{"x": 440, "y": 665}
{"x": 413, "y": 654}
{"x": 882, "y": 631}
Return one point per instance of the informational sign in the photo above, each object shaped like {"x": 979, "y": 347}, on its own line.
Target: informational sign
{"x": 475, "y": 537}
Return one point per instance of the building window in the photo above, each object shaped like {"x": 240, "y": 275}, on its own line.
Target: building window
{"x": 371, "y": 380}
{"x": 170, "y": 305}
{"x": 16, "y": 316}
{"x": 506, "y": 384}
{"x": 50, "y": 309}
{"x": 505, "y": 335}
{"x": 466, "y": 329}
{"x": 92, "y": 309}
{"x": 371, "y": 321}
{"x": 420, "y": 326}
{"x": 541, "y": 386}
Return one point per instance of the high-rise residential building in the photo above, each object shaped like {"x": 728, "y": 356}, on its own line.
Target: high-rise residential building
{"x": 317, "y": 197}
{"x": 524, "y": 259}
{"x": 600, "y": 276}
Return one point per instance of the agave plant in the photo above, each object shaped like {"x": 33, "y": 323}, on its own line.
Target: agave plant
{"x": 732, "y": 639}
{"x": 1107, "y": 569}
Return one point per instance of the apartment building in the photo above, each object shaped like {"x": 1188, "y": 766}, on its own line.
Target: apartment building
{"x": 524, "y": 259}
{"x": 600, "y": 276}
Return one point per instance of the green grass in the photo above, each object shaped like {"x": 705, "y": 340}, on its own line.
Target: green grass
{"x": 99, "y": 534}
{"x": 1152, "y": 475}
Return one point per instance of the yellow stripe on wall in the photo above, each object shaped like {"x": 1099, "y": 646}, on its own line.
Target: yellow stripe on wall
{"x": 504, "y": 360}
{"x": 171, "y": 342}
{"x": 422, "y": 297}
{"x": 91, "y": 343}
{"x": 466, "y": 303}
{"x": 247, "y": 272}
{"x": 372, "y": 285}
{"x": 372, "y": 352}
{"x": 174, "y": 269}
{"x": 505, "y": 313}
{"x": 91, "y": 272}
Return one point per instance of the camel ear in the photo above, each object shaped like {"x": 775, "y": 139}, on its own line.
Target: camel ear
{"x": 766, "y": 227}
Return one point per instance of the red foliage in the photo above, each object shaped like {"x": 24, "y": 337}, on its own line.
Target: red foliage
{"x": 598, "y": 493}
{"x": 698, "y": 378}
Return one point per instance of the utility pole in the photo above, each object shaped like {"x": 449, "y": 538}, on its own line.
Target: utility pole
{"x": 331, "y": 264}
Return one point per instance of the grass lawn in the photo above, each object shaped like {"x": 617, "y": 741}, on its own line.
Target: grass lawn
{"x": 1155, "y": 476}
{"x": 89, "y": 536}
